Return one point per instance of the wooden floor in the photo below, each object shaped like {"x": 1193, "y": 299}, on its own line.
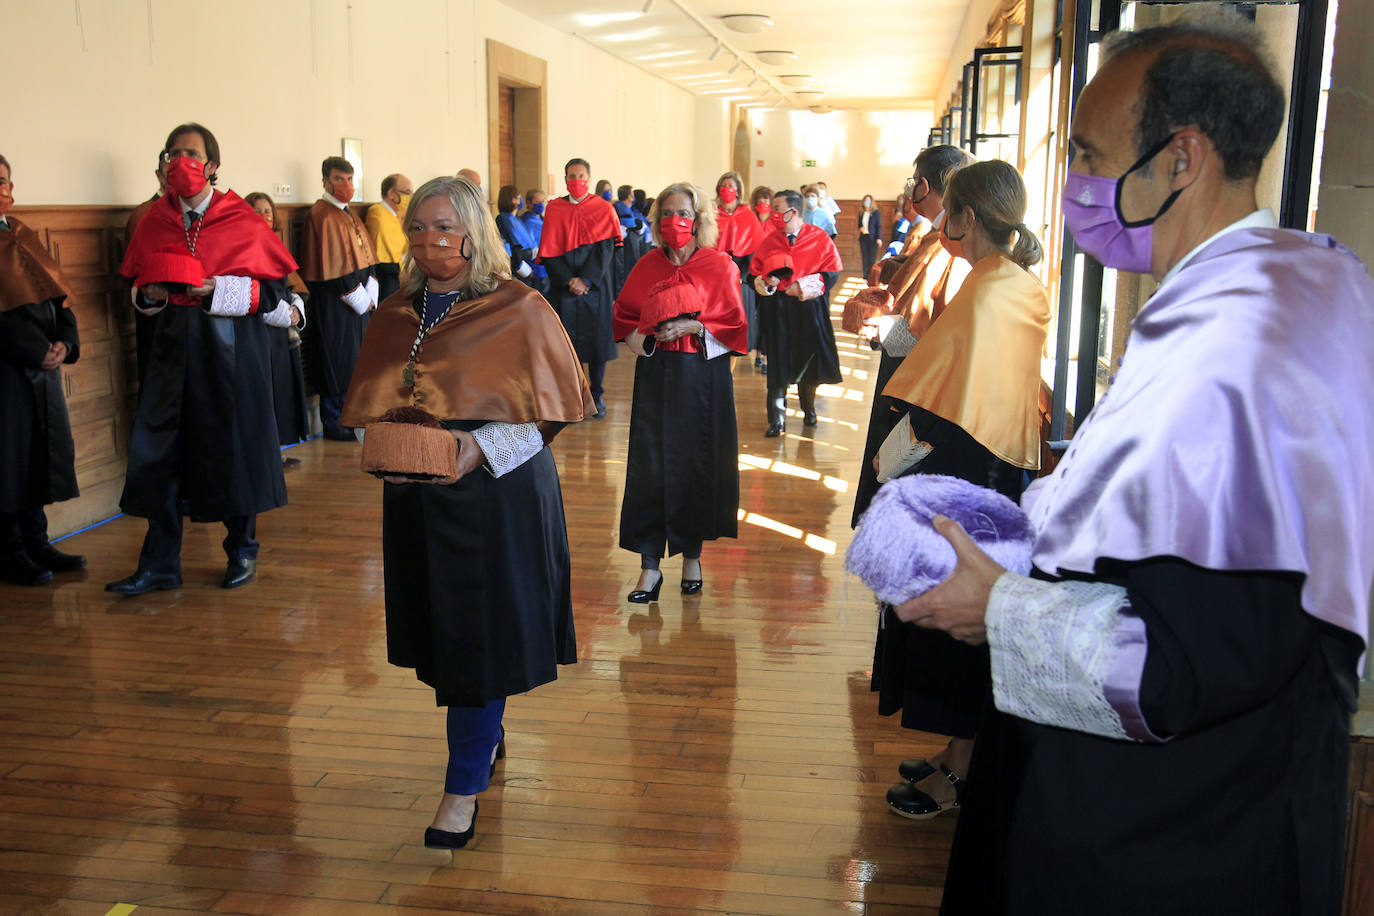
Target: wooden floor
{"x": 251, "y": 751}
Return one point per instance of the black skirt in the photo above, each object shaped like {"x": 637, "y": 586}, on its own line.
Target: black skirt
{"x": 939, "y": 683}
{"x": 682, "y": 470}
{"x": 478, "y": 582}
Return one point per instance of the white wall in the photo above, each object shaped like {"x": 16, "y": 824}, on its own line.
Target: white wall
{"x": 281, "y": 86}
{"x": 856, "y": 152}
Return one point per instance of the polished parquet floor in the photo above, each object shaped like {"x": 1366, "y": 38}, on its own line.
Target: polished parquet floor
{"x": 251, "y": 751}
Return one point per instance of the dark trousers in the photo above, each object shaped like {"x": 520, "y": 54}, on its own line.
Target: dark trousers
{"x": 25, "y": 531}
{"x": 473, "y": 733}
{"x": 596, "y": 379}
{"x": 777, "y": 401}
{"x": 331, "y": 408}
{"x": 162, "y": 544}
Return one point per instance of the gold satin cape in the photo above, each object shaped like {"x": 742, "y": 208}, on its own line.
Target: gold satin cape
{"x": 388, "y": 239}
{"x": 501, "y": 357}
{"x": 28, "y": 274}
{"x": 979, "y": 365}
{"x": 335, "y": 244}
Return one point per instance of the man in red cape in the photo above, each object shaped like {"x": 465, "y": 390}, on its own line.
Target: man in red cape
{"x": 204, "y": 441}
{"x": 795, "y": 315}
{"x": 581, "y": 233}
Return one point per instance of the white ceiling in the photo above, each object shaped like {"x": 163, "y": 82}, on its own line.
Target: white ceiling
{"x": 863, "y": 54}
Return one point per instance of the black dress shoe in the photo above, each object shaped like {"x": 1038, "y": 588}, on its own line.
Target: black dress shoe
{"x": 144, "y": 581}
{"x": 600, "y": 408}
{"x": 340, "y": 434}
{"x": 49, "y": 557}
{"x": 915, "y": 770}
{"x": 447, "y": 839}
{"x": 773, "y": 431}
{"x": 910, "y": 802}
{"x": 20, "y": 570}
{"x": 238, "y": 573}
{"x": 809, "y": 418}
{"x": 639, "y": 596}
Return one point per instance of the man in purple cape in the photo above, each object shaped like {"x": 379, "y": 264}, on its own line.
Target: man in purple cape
{"x": 1174, "y": 682}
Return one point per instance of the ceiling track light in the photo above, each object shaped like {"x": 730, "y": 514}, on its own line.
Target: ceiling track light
{"x": 738, "y": 63}
{"x": 716, "y": 51}
{"x": 648, "y": 5}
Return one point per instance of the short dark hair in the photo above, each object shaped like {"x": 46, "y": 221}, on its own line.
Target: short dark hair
{"x": 602, "y": 185}
{"x": 529, "y": 196}
{"x": 388, "y": 183}
{"x": 641, "y": 198}
{"x": 6, "y": 163}
{"x": 793, "y": 198}
{"x": 335, "y": 164}
{"x": 506, "y": 197}
{"x": 259, "y": 195}
{"x": 624, "y": 191}
{"x": 937, "y": 163}
{"x": 1211, "y": 73}
{"x": 211, "y": 144}
{"x": 582, "y": 162}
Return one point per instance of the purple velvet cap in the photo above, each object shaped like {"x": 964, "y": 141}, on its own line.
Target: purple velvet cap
{"x": 897, "y": 552}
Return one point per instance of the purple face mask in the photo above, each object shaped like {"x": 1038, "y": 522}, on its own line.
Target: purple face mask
{"x": 1092, "y": 213}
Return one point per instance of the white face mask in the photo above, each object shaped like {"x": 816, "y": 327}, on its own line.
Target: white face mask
{"x": 811, "y": 200}
{"x": 823, "y": 192}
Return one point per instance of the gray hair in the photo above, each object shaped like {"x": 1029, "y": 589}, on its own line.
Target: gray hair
{"x": 937, "y": 163}
{"x": 707, "y": 233}
{"x": 1213, "y": 72}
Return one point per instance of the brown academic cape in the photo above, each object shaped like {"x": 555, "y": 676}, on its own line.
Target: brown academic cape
{"x": 499, "y": 357}
{"x": 335, "y": 244}
{"x": 28, "y": 274}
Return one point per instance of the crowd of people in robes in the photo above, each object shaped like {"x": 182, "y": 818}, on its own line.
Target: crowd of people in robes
{"x": 1202, "y": 556}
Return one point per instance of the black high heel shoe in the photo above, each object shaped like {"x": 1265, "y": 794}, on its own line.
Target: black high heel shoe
{"x": 639, "y": 596}
{"x": 500, "y": 752}
{"x": 692, "y": 586}
{"x": 447, "y": 839}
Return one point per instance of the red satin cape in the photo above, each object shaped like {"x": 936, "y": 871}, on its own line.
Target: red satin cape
{"x": 716, "y": 279}
{"x": 812, "y": 253}
{"x": 568, "y": 225}
{"x": 740, "y": 231}
{"x": 234, "y": 240}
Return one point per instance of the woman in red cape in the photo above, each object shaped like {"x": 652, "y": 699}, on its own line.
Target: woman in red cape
{"x": 680, "y": 313}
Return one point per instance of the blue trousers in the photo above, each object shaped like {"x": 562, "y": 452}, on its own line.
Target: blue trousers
{"x": 473, "y": 733}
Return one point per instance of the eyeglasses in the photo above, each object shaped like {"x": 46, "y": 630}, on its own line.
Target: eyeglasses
{"x": 170, "y": 154}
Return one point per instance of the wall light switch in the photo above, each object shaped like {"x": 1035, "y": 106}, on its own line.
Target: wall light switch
{"x": 281, "y": 190}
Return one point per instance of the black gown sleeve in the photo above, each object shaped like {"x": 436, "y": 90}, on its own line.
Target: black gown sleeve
{"x": 830, "y": 277}
{"x": 1224, "y": 643}
{"x": 558, "y": 270}
{"x": 340, "y": 286}
{"x": 66, "y": 332}
{"x": 22, "y": 341}
{"x": 596, "y": 269}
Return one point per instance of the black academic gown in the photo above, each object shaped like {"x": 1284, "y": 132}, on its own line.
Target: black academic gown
{"x": 37, "y": 456}
{"x": 586, "y": 318}
{"x": 800, "y": 339}
{"x": 1243, "y": 811}
{"x": 478, "y": 581}
{"x": 335, "y": 331}
{"x": 747, "y": 298}
{"x": 882, "y": 417}
{"x": 939, "y": 683}
{"x": 206, "y": 420}
{"x": 682, "y": 473}
{"x": 288, "y": 387}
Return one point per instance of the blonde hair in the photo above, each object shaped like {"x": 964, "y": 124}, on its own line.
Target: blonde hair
{"x": 737, "y": 178}
{"x": 707, "y": 232}
{"x": 489, "y": 264}
{"x": 997, "y": 195}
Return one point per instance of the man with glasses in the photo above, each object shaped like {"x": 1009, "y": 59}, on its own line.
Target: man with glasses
{"x": 338, "y": 263}
{"x": 793, "y": 269}
{"x": 204, "y": 442}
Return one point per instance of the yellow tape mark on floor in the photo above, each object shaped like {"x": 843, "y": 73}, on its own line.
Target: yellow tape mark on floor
{"x": 121, "y": 909}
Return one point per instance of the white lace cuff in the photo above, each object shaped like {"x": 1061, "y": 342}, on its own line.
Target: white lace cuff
{"x": 714, "y": 347}
{"x": 299, "y": 303}
{"x": 1068, "y": 654}
{"x": 812, "y": 286}
{"x": 139, "y": 307}
{"x": 524, "y": 270}
{"x": 508, "y": 445}
{"x": 897, "y": 338}
{"x": 373, "y": 290}
{"x": 232, "y": 298}
{"x": 279, "y": 317}
{"x": 358, "y": 300}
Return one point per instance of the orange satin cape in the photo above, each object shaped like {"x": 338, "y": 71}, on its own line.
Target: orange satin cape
{"x": 925, "y": 283}
{"x": 500, "y": 357}
{"x": 979, "y": 365}
{"x": 28, "y": 274}
{"x": 568, "y": 225}
{"x": 740, "y": 232}
{"x": 335, "y": 244}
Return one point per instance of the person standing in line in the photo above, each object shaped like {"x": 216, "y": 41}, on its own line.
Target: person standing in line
{"x": 870, "y": 231}
{"x": 680, "y": 314}
{"x": 339, "y": 266}
{"x": 37, "y": 455}
{"x": 523, "y": 247}
{"x": 533, "y": 220}
{"x": 143, "y": 324}
{"x": 577, "y": 247}
{"x": 761, "y": 202}
{"x": 817, "y": 214}
{"x": 384, "y": 228}
{"x": 829, "y": 203}
{"x": 739, "y": 234}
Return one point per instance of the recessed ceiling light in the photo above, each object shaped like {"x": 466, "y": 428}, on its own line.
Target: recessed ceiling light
{"x": 776, "y": 58}
{"x": 822, "y": 109}
{"x": 747, "y": 22}
{"x": 795, "y": 79}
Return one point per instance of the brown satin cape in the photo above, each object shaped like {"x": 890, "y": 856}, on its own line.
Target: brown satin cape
{"x": 501, "y": 357}
{"x": 335, "y": 244}
{"x": 979, "y": 365}
{"x": 28, "y": 274}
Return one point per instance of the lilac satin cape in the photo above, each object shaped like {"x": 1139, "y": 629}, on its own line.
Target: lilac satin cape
{"x": 1239, "y": 432}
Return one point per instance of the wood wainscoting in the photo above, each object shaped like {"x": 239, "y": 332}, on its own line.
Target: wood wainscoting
{"x": 102, "y": 386}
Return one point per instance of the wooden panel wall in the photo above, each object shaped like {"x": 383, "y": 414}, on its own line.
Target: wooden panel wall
{"x": 102, "y": 386}
{"x": 847, "y": 229}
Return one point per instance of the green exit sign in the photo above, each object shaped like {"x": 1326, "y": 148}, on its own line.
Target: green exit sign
{"x": 808, "y": 163}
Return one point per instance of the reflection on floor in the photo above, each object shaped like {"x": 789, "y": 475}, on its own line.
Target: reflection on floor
{"x": 253, "y": 752}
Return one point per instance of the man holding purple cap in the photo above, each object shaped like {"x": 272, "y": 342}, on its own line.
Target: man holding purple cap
{"x": 1174, "y": 681}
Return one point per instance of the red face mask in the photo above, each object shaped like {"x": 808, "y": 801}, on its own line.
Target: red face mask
{"x": 185, "y": 176}
{"x": 762, "y": 206}
{"x": 676, "y": 231}
{"x": 728, "y": 194}
{"x": 342, "y": 191}
{"x": 439, "y": 255}
{"x": 779, "y": 221}
{"x": 577, "y": 187}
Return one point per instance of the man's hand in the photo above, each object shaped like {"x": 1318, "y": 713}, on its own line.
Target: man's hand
{"x": 53, "y": 358}
{"x": 959, "y": 604}
{"x": 154, "y": 292}
{"x": 578, "y": 286}
{"x": 206, "y": 288}
{"x": 470, "y": 456}
{"x": 679, "y": 327}
{"x": 795, "y": 290}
